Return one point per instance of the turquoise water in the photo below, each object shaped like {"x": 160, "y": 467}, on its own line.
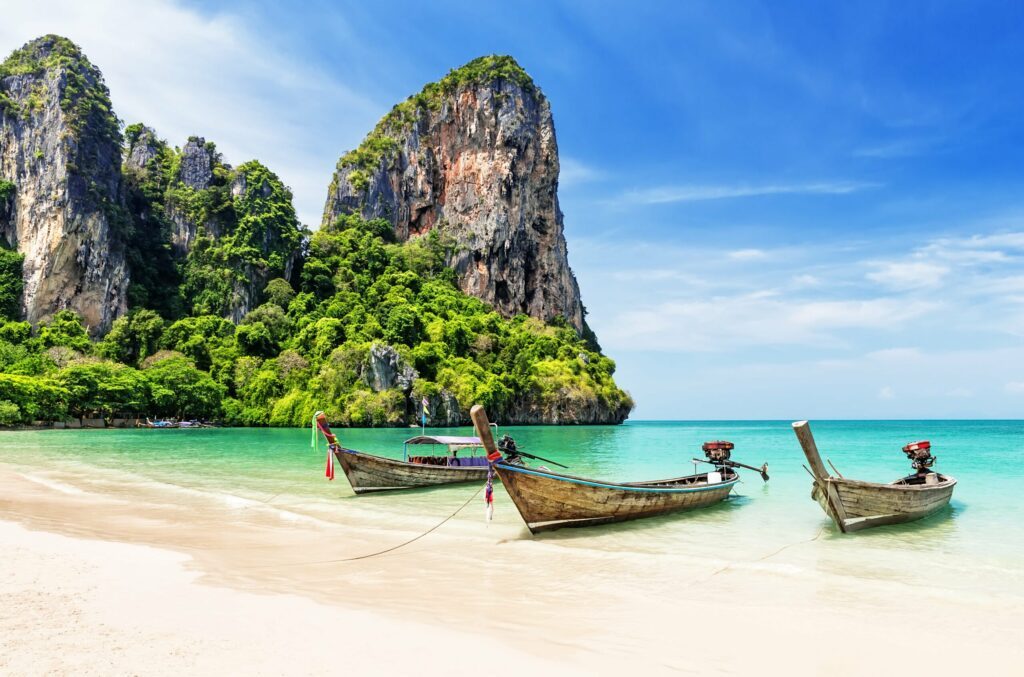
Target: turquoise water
{"x": 975, "y": 546}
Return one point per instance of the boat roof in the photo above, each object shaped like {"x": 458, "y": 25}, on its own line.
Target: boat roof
{"x": 444, "y": 439}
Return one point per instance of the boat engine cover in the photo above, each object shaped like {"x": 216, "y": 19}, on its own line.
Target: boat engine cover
{"x": 718, "y": 450}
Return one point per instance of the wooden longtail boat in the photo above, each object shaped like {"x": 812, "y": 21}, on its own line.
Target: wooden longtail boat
{"x": 368, "y": 473}
{"x": 548, "y": 500}
{"x": 855, "y": 505}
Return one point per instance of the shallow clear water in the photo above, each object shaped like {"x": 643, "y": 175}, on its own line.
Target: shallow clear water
{"x": 977, "y": 546}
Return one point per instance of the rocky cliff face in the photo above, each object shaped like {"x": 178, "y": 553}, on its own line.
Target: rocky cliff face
{"x": 195, "y": 172}
{"x": 60, "y": 147}
{"x": 473, "y": 156}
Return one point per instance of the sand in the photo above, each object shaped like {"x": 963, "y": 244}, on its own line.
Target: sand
{"x": 129, "y": 582}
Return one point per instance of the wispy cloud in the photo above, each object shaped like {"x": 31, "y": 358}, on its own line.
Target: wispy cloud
{"x": 573, "y": 172}
{"x": 897, "y": 148}
{"x": 699, "y": 192}
{"x": 759, "y": 318}
{"x": 806, "y": 280}
{"x": 833, "y": 297}
{"x": 894, "y": 354}
{"x": 747, "y": 254}
{"x": 908, "y": 274}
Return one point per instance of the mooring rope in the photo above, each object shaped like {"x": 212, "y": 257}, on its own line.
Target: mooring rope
{"x": 760, "y": 559}
{"x": 379, "y": 552}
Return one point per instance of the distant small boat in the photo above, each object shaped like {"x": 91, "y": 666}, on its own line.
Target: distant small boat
{"x": 172, "y": 424}
{"x": 855, "y": 505}
{"x": 158, "y": 424}
{"x": 548, "y": 500}
{"x": 422, "y": 467}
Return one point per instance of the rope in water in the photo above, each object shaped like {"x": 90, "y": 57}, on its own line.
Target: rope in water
{"x": 761, "y": 559}
{"x": 379, "y": 552}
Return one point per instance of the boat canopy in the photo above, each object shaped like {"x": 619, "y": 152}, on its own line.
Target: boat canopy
{"x": 445, "y": 439}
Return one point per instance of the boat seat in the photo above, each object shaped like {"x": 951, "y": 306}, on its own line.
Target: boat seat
{"x": 469, "y": 461}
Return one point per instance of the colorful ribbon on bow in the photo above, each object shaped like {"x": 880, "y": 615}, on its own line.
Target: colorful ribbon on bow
{"x": 320, "y": 421}
{"x": 489, "y": 493}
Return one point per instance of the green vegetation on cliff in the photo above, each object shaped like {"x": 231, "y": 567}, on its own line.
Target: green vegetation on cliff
{"x": 155, "y": 275}
{"x": 245, "y": 228}
{"x": 259, "y": 240}
{"x": 361, "y": 298}
{"x": 11, "y": 282}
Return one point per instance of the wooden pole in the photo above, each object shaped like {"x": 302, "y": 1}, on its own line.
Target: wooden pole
{"x": 803, "y": 434}
{"x": 483, "y": 431}
{"x": 821, "y": 477}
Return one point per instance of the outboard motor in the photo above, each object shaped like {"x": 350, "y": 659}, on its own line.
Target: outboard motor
{"x": 507, "y": 447}
{"x": 920, "y": 455}
{"x": 718, "y": 451}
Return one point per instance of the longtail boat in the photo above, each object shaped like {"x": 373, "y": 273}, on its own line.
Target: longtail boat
{"x": 548, "y": 500}
{"x": 855, "y": 505}
{"x": 368, "y": 473}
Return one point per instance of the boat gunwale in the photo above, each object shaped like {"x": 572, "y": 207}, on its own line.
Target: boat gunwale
{"x": 355, "y": 452}
{"x": 636, "y": 486}
{"x": 946, "y": 482}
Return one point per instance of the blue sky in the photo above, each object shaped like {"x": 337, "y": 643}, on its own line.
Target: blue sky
{"x": 775, "y": 210}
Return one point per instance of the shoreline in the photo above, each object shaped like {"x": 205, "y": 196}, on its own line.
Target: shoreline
{"x": 528, "y": 601}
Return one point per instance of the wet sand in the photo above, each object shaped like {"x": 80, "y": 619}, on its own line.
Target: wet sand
{"x": 128, "y": 580}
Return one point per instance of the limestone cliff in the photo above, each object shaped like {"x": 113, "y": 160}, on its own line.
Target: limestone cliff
{"x": 60, "y": 146}
{"x": 473, "y": 156}
{"x": 231, "y": 230}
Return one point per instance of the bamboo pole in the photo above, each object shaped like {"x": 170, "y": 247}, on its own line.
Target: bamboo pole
{"x": 483, "y": 431}
{"x": 803, "y": 434}
{"x": 821, "y": 476}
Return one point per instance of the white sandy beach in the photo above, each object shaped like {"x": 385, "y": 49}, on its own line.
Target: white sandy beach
{"x": 124, "y": 584}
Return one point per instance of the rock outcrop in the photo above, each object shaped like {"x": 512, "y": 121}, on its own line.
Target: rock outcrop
{"x": 195, "y": 173}
{"x": 385, "y": 369}
{"x": 60, "y": 146}
{"x": 473, "y": 156}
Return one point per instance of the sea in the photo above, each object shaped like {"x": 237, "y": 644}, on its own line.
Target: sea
{"x": 975, "y": 548}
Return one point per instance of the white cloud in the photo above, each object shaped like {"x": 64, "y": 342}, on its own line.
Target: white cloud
{"x": 747, "y": 254}
{"x": 184, "y": 72}
{"x": 805, "y": 280}
{"x": 1015, "y": 387}
{"x": 573, "y": 172}
{"x": 757, "y": 318}
{"x": 886, "y": 393}
{"x": 1002, "y": 247}
{"x": 698, "y": 192}
{"x": 908, "y": 274}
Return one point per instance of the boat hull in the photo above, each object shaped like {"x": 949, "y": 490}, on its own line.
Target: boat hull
{"x": 368, "y": 473}
{"x": 550, "y": 501}
{"x": 854, "y": 505}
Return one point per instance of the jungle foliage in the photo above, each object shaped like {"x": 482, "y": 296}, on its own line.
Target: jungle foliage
{"x": 309, "y": 347}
